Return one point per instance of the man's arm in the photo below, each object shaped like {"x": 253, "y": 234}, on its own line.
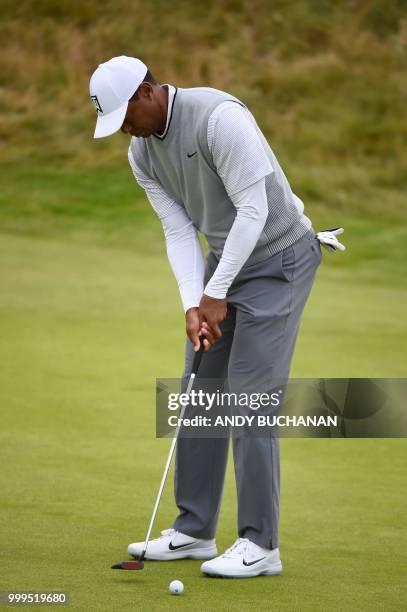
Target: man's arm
{"x": 242, "y": 164}
{"x": 184, "y": 250}
{"x": 251, "y": 216}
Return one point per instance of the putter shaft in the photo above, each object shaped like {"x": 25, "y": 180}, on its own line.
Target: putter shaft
{"x": 139, "y": 564}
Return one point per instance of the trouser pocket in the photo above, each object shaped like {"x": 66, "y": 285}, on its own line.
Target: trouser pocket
{"x": 287, "y": 263}
{"x": 316, "y": 248}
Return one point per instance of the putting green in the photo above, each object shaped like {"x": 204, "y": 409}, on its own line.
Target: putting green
{"x": 85, "y": 331}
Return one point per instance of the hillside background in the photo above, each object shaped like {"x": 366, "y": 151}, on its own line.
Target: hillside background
{"x": 326, "y": 81}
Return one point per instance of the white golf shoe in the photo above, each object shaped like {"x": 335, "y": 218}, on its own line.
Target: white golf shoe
{"x": 244, "y": 559}
{"x": 172, "y": 545}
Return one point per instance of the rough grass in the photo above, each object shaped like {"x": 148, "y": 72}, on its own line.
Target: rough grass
{"x": 325, "y": 81}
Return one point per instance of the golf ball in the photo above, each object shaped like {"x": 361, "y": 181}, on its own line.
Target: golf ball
{"x": 176, "y": 587}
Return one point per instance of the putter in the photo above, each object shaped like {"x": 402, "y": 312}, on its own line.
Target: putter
{"x": 139, "y": 563}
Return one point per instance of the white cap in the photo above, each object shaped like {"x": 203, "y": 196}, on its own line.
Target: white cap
{"x": 111, "y": 87}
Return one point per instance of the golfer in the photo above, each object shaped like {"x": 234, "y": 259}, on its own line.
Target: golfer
{"x": 205, "y": 166}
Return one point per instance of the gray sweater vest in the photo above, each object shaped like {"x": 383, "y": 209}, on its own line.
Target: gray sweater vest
{"x": 193, "y": 182}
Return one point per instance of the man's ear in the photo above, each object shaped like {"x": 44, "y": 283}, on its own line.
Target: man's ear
{"x": 146, "y": 90}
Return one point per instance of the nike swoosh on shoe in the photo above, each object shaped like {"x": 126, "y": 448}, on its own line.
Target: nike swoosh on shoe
{"x": 247, "y": 563}
{"x": 172, "y": 547}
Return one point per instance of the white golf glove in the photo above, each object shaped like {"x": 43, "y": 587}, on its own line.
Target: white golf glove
{"x": 327, "y": 239}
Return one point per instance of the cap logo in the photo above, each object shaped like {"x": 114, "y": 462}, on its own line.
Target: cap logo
{"x": 96, "y": 102}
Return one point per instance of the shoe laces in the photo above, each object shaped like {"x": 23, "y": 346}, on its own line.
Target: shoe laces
{"x": 238, "y": 549}
{"x": 167, "y": 532}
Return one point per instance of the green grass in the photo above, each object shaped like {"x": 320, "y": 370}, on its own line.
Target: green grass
{"x": 90, "y": 316}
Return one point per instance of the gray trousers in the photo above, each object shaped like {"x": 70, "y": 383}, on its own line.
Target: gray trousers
{"x": 265, "y": 303}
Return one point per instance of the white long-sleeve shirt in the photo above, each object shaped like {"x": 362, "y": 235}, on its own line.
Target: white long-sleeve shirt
{"x": 228, "y": 126}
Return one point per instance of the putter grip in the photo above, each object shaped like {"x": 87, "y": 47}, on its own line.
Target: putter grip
{"x": 198, "y": 356}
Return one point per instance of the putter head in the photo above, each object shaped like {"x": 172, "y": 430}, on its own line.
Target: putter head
{"x": 128, "y": 565}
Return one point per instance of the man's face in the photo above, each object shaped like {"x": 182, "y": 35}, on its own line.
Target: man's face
{"x": 142, "y": 116}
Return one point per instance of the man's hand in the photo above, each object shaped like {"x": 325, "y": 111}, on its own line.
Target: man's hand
{"x": 328, "y": 239}
{"x": 204, "y": 321}
{"x": 211, "y": 312}
{"x": 193, "y": 326}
